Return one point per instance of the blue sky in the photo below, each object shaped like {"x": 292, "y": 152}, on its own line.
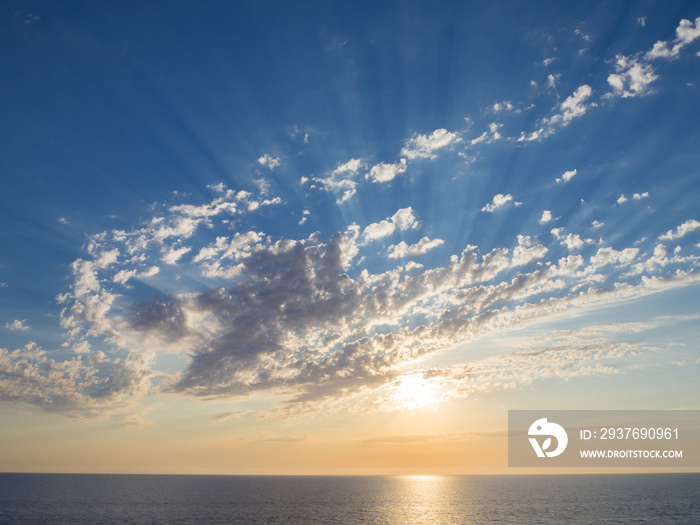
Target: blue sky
{"x": 274, "y": 213}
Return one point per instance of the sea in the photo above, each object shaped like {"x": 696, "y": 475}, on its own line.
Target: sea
{"x": 93, "y": 499}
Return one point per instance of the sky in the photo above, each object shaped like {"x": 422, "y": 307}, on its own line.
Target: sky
{"x": 340, "y": 237}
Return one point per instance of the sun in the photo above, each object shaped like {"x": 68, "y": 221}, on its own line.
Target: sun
{"x": 414, "y": 391}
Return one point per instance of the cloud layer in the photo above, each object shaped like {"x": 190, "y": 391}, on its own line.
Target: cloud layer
{"x": 318, "y": 318}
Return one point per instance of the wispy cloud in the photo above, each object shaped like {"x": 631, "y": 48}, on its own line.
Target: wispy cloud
{"x": 573, "y": 107}
{"x": 17, "y": 325}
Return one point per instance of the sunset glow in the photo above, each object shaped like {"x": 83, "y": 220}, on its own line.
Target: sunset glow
{"x": 325, "y": 237}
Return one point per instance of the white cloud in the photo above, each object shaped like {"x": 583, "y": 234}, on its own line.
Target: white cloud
{"x": 546, "y": 217}
{"x": 383, "y": 172}
{"x": 529, "y": 137}
{"x": 502, "y": 106}
{"x": 682, "y": 230}
{"x": 528, "y": 250}
{"x": 621, "y": 199}
{"x": 498, "y": 200}
{"x": 340, "y": 181}
{"x": 686, "y": 33}
{"x": 150, "y": 272}
{"x": 17, "y": 325}
{"x": 402, "y": 249}
{"x": 573, "y": 107}
{"x": 661, "y": 50}
{"x": 488, "y": 136}
{"x": 567, "y": 176}
{"x": 632, "y": 77}
{"x": 403, "y": 219}
{"x": 572, "y": 242}
{"x": 174, "y": 254}
{"x": 352, "y": 166}
{"x": 481, "y": 138}
{"x": 269, "y": 161}
{"x": 548, "y": 61}
{"x": 642, "y": 21}
{"x": 607, "y": 255}
{"x": 425, "y": 146}
{"x": 640, "y": 196}
{"x": 597, "y": 224}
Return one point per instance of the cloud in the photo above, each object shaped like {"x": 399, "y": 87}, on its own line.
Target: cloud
{"x": 174, "y": 254}
{"x": 341, "y": 180}
{"x": 234, "y": 414}
{"x": 498, "y": 200}
{"x": 546, "y": 217}
{"x": 304, "y": 319}
{"x": 425, "y": 146}
{"x": 682, "y": 230}
{"x": 637, "y": 197}
{"x": 403, "y": 219}
{"x": 572, "y": 241}
{"x": 608, "y": 255}
{"x": 17, "y": 325}
{"x": 573, "y": 107}
{"x": 123, "y": 276}
{"x": 686, "y": 33}
{"x": 488, "y": 136}
{"x": 269, "y": 161}
{"x": 567, "y": 176}
{"x": 583, "y": 35}
{"x": 86, "y": 385}
{"x": 397, "y": 251}
{"x": 503, "y": 106}
{"x": 552, "y": 80}
{"x": 528, "y": 250}
{"x": 383, "y": 172}
{"x": 352, "y": 166}
{"x": 632, "y": 77}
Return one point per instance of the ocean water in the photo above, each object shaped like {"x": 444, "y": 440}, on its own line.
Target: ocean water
{"x": 125, "y": 499}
